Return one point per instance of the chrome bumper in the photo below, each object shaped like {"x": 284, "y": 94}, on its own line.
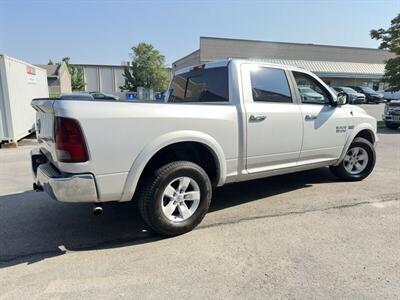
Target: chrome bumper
{"x": 62, "y": 187}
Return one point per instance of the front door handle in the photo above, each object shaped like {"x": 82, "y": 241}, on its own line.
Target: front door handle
{"x": 257, "y": 118}
{"x": 311, "y": 117}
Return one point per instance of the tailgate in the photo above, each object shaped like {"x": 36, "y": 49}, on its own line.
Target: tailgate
{"x": 45, "y": 125}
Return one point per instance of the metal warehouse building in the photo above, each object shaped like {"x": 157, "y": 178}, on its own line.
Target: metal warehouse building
{"x": 105, "y": 78}
{"x": 336, "y": 65}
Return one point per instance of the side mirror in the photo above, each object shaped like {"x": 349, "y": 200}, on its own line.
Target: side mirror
{"x": 341, "y": 99}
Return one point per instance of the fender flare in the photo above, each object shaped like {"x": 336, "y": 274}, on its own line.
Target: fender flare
{"x": 350, "y": 138}
{"x": 165, "y": 140}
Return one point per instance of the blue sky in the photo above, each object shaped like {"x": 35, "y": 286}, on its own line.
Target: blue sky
{"x": 102, "y": 32}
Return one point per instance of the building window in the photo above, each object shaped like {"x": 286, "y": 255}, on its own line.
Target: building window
{"x": 375, "y": 85}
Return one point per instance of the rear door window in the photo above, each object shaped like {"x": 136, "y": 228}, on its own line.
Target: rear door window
{"x": 200, "y": 85}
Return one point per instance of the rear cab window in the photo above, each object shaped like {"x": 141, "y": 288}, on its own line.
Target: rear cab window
{"x": 201, "y": 85}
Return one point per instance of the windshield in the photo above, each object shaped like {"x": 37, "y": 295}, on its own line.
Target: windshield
{"x": 348, "y": 90}
{"x": 306, "y": 89}
{"x": 367, "y": 89}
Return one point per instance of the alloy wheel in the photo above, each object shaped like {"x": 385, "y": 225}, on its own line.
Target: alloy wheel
{"x": 356, "y": 160}
{"x": 180, "y": 199}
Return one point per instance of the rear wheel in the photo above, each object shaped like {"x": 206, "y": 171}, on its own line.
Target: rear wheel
{"x": 176, "y": 198}
{"x": 392, "y": 125}
{"x": 358, "y": 162}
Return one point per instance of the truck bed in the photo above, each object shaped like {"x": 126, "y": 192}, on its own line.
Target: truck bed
{"x": 118, "y": 133}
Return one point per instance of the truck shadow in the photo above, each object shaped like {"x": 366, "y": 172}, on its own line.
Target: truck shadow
{"x": 34, "y": 227}
{"x": 243, "y": 192}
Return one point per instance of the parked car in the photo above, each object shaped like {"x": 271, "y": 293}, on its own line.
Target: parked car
{"x": 222, "y": 122}
{"x": 389, "y": 96}
{"x": 353, "y": 96}
{"x": 391, "y": 114}
{"x": 381, "y": 94}
{"x": 309, "y": 94}
{"x": 371, "y": 96}
{"x": 103, "y": 96}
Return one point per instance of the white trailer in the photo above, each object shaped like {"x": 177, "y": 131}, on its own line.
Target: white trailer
{"x": 20, "y": 82}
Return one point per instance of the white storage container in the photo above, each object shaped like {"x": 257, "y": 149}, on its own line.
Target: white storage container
{"x": 20, "y": 82}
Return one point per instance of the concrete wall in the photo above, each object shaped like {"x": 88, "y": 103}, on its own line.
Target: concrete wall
{"x": 64, "y": 79}
{"x": 217, "y": 48}
{"x": 220, "y": 48}
{"x": 187, "y": 61}
{"x": 58, "y": 80}
{"x": 371, "y": 82}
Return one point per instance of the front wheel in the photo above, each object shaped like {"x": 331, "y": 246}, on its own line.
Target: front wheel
{"x": 358, "y": 162}
{"x": 176, "y": 198}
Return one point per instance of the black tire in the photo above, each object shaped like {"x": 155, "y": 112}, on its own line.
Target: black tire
{"x": 392, "y": 125}
{"x": 341, "y": 172}
{"x": 150, "y": 198}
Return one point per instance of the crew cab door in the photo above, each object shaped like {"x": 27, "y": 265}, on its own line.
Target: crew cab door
{"x": 324, "y": 126}
{"x": 273, "y": 120}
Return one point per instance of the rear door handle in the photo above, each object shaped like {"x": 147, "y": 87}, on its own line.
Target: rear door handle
{"x": 257, "y": 118}
{"x": 311, "y": 117}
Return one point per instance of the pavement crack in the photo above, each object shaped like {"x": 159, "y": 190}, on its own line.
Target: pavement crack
{"x": 266, "y": 216}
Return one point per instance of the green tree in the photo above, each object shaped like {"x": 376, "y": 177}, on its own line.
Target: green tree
{"x": 77, "y": 78}
{"x": 147, "y": 69}
{"x": 50, "y": 62}
{"x": 390, "y": 40}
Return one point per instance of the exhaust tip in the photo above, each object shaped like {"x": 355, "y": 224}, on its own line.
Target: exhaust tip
{"x": 37, "y": 188}
{"x": 97, "y": 210}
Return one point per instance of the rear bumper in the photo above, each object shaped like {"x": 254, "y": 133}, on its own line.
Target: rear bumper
{"x": 374, "y": 99}
{"x": 359, "y": 101}
{"x": 62, "y": 187}
{"x": 354, "y": 99}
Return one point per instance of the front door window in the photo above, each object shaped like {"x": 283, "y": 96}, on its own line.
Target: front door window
{"x": 311, "y": 91}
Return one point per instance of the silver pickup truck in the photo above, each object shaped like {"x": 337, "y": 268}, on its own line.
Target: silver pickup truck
{"x": 222, "y": 122}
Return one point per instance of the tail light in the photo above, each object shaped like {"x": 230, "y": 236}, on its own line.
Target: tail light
{"x": 70, "y": 143}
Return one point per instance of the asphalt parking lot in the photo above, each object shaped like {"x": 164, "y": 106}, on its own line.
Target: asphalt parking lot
{"x": 303, "y": 235}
